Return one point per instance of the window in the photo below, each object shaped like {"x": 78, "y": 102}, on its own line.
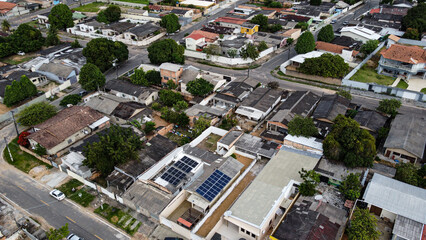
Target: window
{"x": 69, "y": 141}
{"x": 166, "y": 78}
{"x": 252, "y": 235}
{"x": 243, "y": 230}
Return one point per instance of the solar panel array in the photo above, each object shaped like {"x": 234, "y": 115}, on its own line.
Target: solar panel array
{"x": 186, "y": 164}
{"x": 213, "y": 185}
{"x": 173, "y": 176}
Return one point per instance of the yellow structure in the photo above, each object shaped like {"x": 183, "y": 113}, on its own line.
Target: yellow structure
{"x": 249, "y": 28}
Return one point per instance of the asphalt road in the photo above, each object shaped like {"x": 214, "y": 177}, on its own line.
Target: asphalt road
{"x": 34, "y": 199}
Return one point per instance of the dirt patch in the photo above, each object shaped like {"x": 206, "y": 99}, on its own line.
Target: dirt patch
{"x": 49, "y": 87}
{"x": 244, "y": 160}
{"x": 159, "y": 121}
{"x": 4, "y": 109}
{"x": 371, "y": 63}
{"x": 209, "y": 143}
{"x": 38, "y": 172}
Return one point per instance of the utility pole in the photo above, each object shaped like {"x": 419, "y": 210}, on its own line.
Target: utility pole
{"x": 14, "y": 122}
{"x": 7, "y": 146}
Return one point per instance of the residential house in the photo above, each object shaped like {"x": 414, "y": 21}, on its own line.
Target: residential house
{"x": 361, "y": 34}
{"x": 329, "y": 107}
{"x": 198, "y": 39}
{"x": 405, "y": 61}
{"x": 236, "y": 43}
{"x": 371, "y": 120}
{"x": 74, "y": 162}
{"x": 127, "y": 90}
{"x": 292, "y": 33}
{"x": 186, "y": 13}
{"x": 406, "y": 139}
{"x": 399, "y": 203}
{"x": 272, "y": 40}
{"x": 402, "y": 4}
{"x": 91, "y": 26}
{"x": 141, "y": 32}
{"x": 78, "y": 17}
{"x": 235, "y": 92}
{"x": 213, "y": 28}
{"x": 317, "y": 13}
{"x": 36, "y": 78}
{"x": 117, "y": 28}
{"x": 170, "y": 71}
{"x": 270, "y": 13}
{"x": 213, "y": 114}
{"x": 67, "y": 127}
{"x": 230, "y": 22}
{"x": 43, "y": 18}
{"x": 293, "y": 63}
{"x": 249, "y": 28}
{"x": 9, "y": 9}
{"x": 347, "y": 42}
{"x": 310, "y": 144}
{"x": 254, "y": 211}
{"x": 58, "y": 72}
{"x": 259, "y": 103}
{"x": 297, "y": 18}
{"x": 345, "y": 52}
{"x": 191, "y": 73}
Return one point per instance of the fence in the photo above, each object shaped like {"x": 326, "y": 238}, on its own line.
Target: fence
{"x": 226, "y": 60}
{"x": 123, "y": 3}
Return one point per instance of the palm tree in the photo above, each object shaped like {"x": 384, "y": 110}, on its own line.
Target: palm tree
{"x": 5, "y": 26}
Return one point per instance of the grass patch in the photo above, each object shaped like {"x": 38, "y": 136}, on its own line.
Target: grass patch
{"x": 91, "y": 7}
{"x": 10, "y": 60}
{"x": 118, "y": 217}
{"x": 402, "y": 84}
{"x": 232, "y": 68}
{"x": 369, "y": 75}
{"x": 423, "y": 90}
{"x": 85, "y": 199}
{"x": 136, "y": 1}
{"x": 22, "y": 160}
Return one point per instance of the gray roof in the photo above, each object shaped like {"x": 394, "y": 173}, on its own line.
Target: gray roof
{"x": 407, "y": 228}
{"x": 179, "y": 11}
{"x": 57, "y": 69}
{"x": 370, "y": 119}
{"x": 144, "y": 30}
{"x": 262, "y": 98}
{"x": 120, "y": 26}
{"x": 189, "y": 74}
{"x": 255, "y": 203}
{"x": 127, "y": 87}
{"x": 408, "y": 132}
{"x": 236, "y": 43}
{"x": 240, "y": 87}
{"x": 159, "y": 146}
{"x": 170, "y": 66}
{"x": 201, "y": 110}
{"x": 226, "y": 98}
{"x": 330, "y": 106}
{"x": 206, "y": 156}
{"x": 16, "y": 75}
{"x": 230, "y": 137}
{"x": 95, "y": 23}
{"x": 397, "y": 197}
{"x": 104, "y": 103}
{"x": 128, "y": 110}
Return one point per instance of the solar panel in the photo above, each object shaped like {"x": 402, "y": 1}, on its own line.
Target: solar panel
{"x": 173, "y": 176}
{"x": 213, "y": 185}
{"x": 189, "y": 161}
{"x": 182, "y": 166}
{"x": 186, "y": 164}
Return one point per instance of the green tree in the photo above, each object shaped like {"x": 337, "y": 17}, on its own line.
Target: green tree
{"x": 40, "y": 150}
{"x": 111, "y": 14}
{"x": 363, "y": 226}
{"x": 36, "y": 113}
{"x": 149, "y": 127}
{"x": 275, "y": 4}
{"x": 326, "y": 34}
{"x": 76, "y": 44}
{"x": 305, "y": 43}
{"x": 310, "y": 182}
{"x": 389, "y": 106}
{"x": 199, "y": 87}
{"x": 326, "y": 65}
{"x": 169, "y": 97}
{"x": 60, "y": 17}
{"x": 232, "y": 53}
{"x": 315, "y": 2}
{"x": 290, "y": 41}
{"x": 26, "y": 39}
{"x": 300, "y": 126}
{"x": 182, "y": 120}
{"x": 250, "y": 51}
{"x": 58, "y": 234}
{"x": 228, "y": 122}
{"x": 415, "y": 18}
{"x": 6, "y": 49}
{"x": 412, "y": 33}
{"x": 52, "y": 37}
{"x": 201, "y": 124}
{"x": 260, "y": 20}
{"x": 369, "y": 46}
{"x": 351, "y": 187}
{"x": 102, "y": 52}
{"x": 156, "y": 106}
{"x": 212, "y": 49}
{"x": 166, "y": 50}
{"x": 18, "y": 91}
{"x": 91, "y": 78}
{"x": 5, "y": 26}
{"x": 171, "y": 84}
{"x": 139, "y": 78}
{"x": 118, "y": 145}
{"x": 273, "y": 85}
{"x": 73, "y": 99}
{"x": 153, "y": 77}
{"x": 302, "y": 25}
{"x": 407, "y": 172}
{"x": 345, "y": 94}
{"x": 170, "y": 22}
{"x": 262, "y": 46}
{"x": 180, "y": 106}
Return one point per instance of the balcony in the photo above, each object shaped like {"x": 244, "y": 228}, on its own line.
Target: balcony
{"x": 396, "y": 66}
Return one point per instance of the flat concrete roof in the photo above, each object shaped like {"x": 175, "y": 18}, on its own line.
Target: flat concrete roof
{"x": 256, "y": 201}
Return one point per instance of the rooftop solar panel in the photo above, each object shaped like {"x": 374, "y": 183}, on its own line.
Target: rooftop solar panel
{"x": 186, "y": 164}
{"x": 173, "y": 176}
{"x": 213, "y": 185}
{"x": 189, "y": 161}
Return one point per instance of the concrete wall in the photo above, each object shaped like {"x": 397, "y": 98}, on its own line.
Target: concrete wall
{"x": 56, "y": 90}
{"x": 35, "y": 155}
{"x": 123, "y": 3}
{"x": 335, "y": 81}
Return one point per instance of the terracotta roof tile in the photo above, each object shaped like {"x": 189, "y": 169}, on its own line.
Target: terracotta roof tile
{"x": 393, "y": 37}
{"x": 210, "y": 37}
{"x": 6, "y": 7}
{"x": 329, "y": 47}
{"x": 231, "y": 20}
{"x": 407, "y": 54}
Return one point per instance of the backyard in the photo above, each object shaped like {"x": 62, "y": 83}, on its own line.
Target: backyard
{"x": 136, "y": 1}
{"x": 74, "y": 190}
{"x": 17, "y": 59}
{"x": 368, "y": 74}
{"x": 210, "y": 142}
{"x": 119, "y": 218}
{"x": 91, "y": 7}
{"x": 402, "y": 84}
{"x": 21, "y": 160}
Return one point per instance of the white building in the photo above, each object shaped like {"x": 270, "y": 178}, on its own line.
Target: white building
{"x": 359, "y": 33}
{"x": 259, "y": 103}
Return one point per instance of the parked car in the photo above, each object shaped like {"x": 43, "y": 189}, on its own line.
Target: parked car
{"x": 82, "y": 93}
{"x": 333, "y": 21}
{"x": 72, "y": 236}
{"x": 20, "y": 53}
{"x": 57, "y": 194}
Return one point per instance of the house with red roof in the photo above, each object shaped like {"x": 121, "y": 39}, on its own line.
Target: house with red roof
{"x": 8, "y": 9}
{"x": 230, "y": 22}
{"x": 404, "y": 61}
{"x": 198, "y": 39}
{"x": 345, "y": 52}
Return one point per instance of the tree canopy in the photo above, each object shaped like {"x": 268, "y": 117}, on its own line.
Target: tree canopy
{"x": 315, "y": 2}
{"x": 348, "y": 143}
{"x": 262, "y": 46}
{"x": 179, "y": 118}
{"x": 153, "y": 77}
{"x": 73, "y": 99}
{"x": 102, "y": 52}
{"x": 310, "y": 181}
{"x": 166, "y": 50}
{"x": 302, "y": 25}
{"x": 179, "y": 106}
{"x": 199, "y": 87}
{"x": 351, "y": 187}
{"x": 169, "y": 97}
{"x": 58, "y": 234}
{"x": 260, "y": 20}
{"x": 415, "y": 18}
{"x": 5, "y": 25}
{"x": 111, "y": 14}
{"x": 149, "y": 127}
{"x": 118, "y": 145}
{"x": 170, "y": 22}
{"x": 305, "y": 43}
{"x": 138, "y": 77}
{"x": 60, "y": 17}
{"x": 363, "y": 226}
{"x": 326, "y": 65}
{"x": 326, "y": 34}
{"x": 76, "y": 44}
{"x": 25, "y": 38}
{"x": 91, "y": 78}
{"x": 36, "y": 113}
{"x": 345, "y": 94}
{"x": 52, "y": 37}
{"x": 250, "y": 51}
{"x": 300, "y": 126}
{"x": 389, "y": 106}
{"x": 411, "y": 33}
{"x": 369, "y": 46}
{"x": 408, "y": 173}
{"x": 18, "y": 91}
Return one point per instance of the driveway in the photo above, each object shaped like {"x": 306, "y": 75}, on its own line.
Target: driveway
{"x": 416, "y": 84}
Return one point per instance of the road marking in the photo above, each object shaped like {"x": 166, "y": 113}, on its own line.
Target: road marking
{"x": 20, "y": 187}
{"x": 44, "y": 202}
{"x": 98, "y": 237}
{"x": 70, "y": 219}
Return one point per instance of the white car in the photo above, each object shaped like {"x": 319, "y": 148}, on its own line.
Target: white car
{"x": 57, "y": 194}
{"x": 20, "y": 53}
{"x": 72, "y": 236}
